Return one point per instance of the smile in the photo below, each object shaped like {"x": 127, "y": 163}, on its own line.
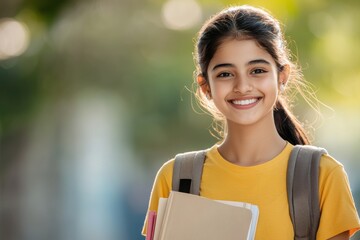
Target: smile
{"x": 244, "y": 102}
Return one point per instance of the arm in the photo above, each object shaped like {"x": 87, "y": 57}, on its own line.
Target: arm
{"x": 338, "y": 211}
{"x": 161, "y": 189}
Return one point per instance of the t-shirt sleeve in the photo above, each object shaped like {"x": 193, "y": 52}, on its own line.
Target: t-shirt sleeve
{"x": 338, "y": 211}
{"x": 161, "y": 188}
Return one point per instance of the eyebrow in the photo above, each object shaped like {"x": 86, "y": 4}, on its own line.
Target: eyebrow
{"x": 223, "y": 65}
{"x": 256, "y": 61}
{"x": 252, "y": 62}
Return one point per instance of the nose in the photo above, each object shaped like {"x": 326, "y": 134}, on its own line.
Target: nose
{"x": 242, "y": 85}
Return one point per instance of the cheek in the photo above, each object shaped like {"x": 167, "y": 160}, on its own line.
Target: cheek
{"x": 271, "y": 83}
{"x": 220, "y": 89}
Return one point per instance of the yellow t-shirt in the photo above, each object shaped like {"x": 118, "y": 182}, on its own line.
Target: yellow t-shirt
{"x": 265, "y": 186}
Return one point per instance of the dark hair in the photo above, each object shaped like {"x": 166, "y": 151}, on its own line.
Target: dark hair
{"x": 245, "y": 22}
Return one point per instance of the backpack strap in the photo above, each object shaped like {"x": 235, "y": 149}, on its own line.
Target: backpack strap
{"x": 187, "y": 172}
{"x": 303, "y": 190}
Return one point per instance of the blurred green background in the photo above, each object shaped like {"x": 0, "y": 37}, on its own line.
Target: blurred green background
{"x": 94, "y": 97}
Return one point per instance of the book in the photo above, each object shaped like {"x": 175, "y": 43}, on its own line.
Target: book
{"x": 151, "y": 222}
{"x": 160, "y": 217}
{"x": 191, "y": 217}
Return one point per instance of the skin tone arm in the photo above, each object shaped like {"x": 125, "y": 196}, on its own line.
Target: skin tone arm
{"x": 341, "y": 236}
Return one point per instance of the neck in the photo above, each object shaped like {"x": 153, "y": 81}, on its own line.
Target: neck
{"x": 251, "y": 145}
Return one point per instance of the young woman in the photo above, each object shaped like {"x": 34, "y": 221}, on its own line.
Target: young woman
{"x": 243, "y": 72}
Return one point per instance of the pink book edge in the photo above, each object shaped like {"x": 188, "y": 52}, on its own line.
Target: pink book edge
{"x": 151, "y": 225}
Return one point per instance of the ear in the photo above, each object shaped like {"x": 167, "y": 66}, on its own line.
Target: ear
{"x": 284, "y": 74}
{"x": 203, "y": 84}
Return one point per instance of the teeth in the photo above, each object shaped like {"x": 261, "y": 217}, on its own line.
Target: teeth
{"x": 244, "y": 102}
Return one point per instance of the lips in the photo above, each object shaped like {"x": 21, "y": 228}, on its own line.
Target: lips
{"x": 244, "y": 102}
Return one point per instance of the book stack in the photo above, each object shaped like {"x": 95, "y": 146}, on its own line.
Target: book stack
{"x": 191, "y": 217}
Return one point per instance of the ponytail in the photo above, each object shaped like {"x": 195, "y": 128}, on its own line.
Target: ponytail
{"x": 288, "y": 127}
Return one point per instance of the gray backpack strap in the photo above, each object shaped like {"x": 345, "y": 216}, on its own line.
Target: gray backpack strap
{"x": 187, "y": 172}
{"x": 303, "y": 190}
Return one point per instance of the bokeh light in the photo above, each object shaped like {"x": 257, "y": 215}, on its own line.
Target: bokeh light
{"x": 14, "y": 38}
{"x": 181, "y": 14}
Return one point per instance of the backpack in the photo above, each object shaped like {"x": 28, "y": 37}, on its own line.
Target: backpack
{"x": 302, "y": 185}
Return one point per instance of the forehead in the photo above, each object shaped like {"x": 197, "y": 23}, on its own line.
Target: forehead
{"x": 239, "y": 52}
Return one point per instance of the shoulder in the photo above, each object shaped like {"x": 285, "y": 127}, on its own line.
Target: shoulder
{"x": 329, "y": 165}
{"x": 165, "y": 172}
{"x": 329, "y": 169}
{"x": 338, "y": 211}
{"x": 167, "y": 166}
{"x": 327, "y": 162}
{"x": 162, "y": 184}
{"x": 333, "y": 180}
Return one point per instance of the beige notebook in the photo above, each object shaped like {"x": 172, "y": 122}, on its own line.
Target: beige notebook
{"x": 191, "y": 217}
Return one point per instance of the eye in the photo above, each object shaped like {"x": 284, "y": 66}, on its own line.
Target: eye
{"x": 258, "y": 71}
{"x": 224, "y": 75}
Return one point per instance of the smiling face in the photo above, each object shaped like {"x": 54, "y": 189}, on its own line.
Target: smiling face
{"x": 243, "y": 82}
